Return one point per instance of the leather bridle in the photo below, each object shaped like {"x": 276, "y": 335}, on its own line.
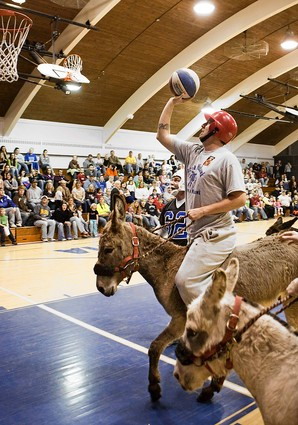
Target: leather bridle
{"x": 186, "y": 357}
{"x": 130, "y": 264}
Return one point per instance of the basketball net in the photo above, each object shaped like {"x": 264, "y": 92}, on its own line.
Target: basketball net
{"x": 75, "y": 65}
{"x": 14, "y": 28}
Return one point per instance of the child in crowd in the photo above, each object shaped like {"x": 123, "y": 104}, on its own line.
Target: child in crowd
{"x": 277, "y": 207}
{"x": 93, "y": 220}
{"x": 4, "y": 228}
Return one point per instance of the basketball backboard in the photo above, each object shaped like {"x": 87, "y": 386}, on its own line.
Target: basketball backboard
{"x": 61, "y": 73}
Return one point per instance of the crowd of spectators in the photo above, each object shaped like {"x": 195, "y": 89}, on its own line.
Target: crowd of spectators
{"x": 261, "y": 202}
{"x": 31, "y": 193}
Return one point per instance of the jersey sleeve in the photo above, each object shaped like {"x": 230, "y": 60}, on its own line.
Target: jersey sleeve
{"x": 182, "y": 149}
{"x": 233, "y": 178}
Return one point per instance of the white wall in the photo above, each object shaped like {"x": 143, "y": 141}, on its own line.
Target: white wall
{"x": 256, "y": 153}
{"x": 64, "y": 140}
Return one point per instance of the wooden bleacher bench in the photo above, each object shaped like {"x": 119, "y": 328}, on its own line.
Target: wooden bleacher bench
{"x": 25, "y": 234}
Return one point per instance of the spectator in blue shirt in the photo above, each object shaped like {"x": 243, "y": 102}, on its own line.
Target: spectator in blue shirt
{"x": 31, "y": 160}
{"x": 13, "y": 212}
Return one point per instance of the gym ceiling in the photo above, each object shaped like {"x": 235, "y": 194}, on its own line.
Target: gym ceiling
{"x": 139, "y": 43}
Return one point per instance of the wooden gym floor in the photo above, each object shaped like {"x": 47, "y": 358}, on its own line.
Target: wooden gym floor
{"x": 68, "y": 355}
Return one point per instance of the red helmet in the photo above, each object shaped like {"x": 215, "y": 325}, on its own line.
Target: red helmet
{"x": 225, "y": 124}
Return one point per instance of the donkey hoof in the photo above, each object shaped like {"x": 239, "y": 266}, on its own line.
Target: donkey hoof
{"x": 155, "y": 392}
{"x": 206, "y": 395}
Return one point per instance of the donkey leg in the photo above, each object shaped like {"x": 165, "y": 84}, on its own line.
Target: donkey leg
{"x": 207, "y": 393}
{"x": 172, "y": 332}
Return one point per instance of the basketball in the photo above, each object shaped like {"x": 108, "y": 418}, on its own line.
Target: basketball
{"x": 184, "y": 81}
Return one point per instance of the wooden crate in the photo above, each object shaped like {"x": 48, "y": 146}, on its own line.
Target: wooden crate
{"x": 28, "y": 234}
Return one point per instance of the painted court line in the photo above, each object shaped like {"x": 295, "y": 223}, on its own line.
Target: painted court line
{"x": 112, "y": 337}
{"x": 236, "y": 413}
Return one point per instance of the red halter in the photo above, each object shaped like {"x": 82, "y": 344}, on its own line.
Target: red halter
{"x": 130, "y": 264}
{"x": 228, "y": 338}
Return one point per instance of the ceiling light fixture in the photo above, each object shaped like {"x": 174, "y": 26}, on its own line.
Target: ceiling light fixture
{"x": 204, "y": 7}
{"x": 19, "y": 1}
{"x": 290, "y": 41}
{"x": 73, "y": 87}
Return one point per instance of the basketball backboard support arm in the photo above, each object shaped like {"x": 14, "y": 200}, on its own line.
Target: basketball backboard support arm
{"x": 290, "y": 118}
{"x": 256, "y": 116}
{"x": 94, "y": 10}
{"x": 290, "y": 86}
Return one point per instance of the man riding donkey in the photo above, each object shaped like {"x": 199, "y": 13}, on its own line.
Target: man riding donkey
{"x": 214, "y": 186}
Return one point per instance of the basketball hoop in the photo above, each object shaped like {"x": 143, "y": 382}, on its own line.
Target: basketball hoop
{"x": 75, "y": 64}
{"x": 14, "y": 28}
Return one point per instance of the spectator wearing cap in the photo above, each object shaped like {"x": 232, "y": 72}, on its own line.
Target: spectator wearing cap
{"x": 35, "y": 175}
{"x": 121, "y": 178}
{"x": 42, "y": 219}
{"x": 13, "y": 212}
{"x": 34, "y": 194}
{"x": 130, "y": 164}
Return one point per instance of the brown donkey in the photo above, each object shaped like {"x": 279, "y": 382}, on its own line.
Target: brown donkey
{"x": 267, "y": 266}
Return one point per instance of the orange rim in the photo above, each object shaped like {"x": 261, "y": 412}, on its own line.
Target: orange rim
{"x": 6, "y": 12}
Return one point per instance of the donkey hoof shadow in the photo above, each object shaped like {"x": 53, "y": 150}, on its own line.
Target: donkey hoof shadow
{"x": 155, "y": 392}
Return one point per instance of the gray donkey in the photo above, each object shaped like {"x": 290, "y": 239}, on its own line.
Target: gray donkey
{"x": 265, "y": 356}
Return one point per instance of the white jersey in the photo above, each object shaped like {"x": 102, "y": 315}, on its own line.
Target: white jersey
{"x": 210, "y": 177}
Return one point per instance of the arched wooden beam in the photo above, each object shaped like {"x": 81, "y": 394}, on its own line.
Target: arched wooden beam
{"x": 236, "y": 24}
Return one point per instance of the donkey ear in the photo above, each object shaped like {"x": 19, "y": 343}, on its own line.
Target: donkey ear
{"x": 217, "y": 288}
{"x": 119, "y": 210}
{"x": 232, "y": 273}
{"x": 289, "y": 223}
